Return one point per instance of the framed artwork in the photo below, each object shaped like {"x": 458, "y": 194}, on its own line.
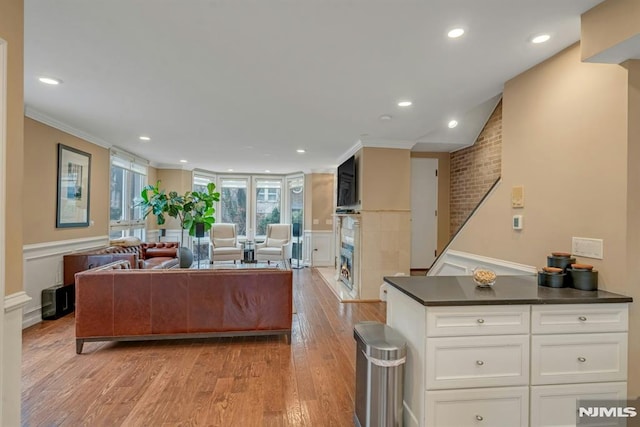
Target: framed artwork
{"x": 74, "y": 170}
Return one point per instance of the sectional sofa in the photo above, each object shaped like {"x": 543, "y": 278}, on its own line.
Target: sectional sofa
{"x": 116, "y": 303}
{"x": 145, "y": 255}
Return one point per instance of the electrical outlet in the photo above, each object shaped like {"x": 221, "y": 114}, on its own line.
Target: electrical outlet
{"x": 586, "y": 247}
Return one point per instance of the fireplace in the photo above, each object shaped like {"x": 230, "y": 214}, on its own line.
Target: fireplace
{"x": 346, "y": 264}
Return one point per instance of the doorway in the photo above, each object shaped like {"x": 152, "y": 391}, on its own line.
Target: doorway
{"x": 424, "y": 212}
{"x": 295, "y": 201}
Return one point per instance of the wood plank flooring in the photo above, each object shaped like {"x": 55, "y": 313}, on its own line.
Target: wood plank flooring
{"x": 248, "y": 381}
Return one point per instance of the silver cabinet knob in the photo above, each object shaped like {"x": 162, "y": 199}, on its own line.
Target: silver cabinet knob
{"x": 582, "y": 359}
{"x": 480, "y": 320}
{"x": 479, "y": 417}
{"x": 582, "y": 319}
{"x": 479, "y": 362}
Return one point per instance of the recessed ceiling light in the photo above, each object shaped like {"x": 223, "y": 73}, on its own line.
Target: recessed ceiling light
{"x": 455, "y": 33}
{"x": 300, "y": 150}
{"x": 50, "y": 80}
{"x": 452, "y": 124}
{"x": 145, "y": 138}
{"x": 229, "y": 170}
{"x": 385, "y": 117}
{"x": 404, "y": 103}
{"x": 541, "y": 38}
{"x": 267, "y": 171}
{"x": 183, "y": 161}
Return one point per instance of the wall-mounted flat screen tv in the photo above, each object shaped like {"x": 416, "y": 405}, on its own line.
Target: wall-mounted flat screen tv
{"x": 347, "y": 183}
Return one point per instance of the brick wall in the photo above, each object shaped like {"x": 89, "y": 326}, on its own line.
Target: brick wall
{"x": 474, "y": 169}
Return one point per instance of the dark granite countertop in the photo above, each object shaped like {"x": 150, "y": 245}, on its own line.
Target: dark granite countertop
{"x": 462, "y": 290}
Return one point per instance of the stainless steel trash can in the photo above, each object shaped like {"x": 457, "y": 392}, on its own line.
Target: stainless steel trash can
{"x": 380, "y": 357}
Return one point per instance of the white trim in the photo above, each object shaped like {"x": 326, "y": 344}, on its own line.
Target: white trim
{"x": 458, "y": 261}
{"x": 16, "y": 301}
{"x": 47, "y": 120}
{"x": 43, "y": 267}
{"x": 376, "y": 143}
{"x": 42, "y": 250}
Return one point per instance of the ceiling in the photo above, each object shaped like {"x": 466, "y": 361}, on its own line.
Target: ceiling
{"x": 243, "y": 84}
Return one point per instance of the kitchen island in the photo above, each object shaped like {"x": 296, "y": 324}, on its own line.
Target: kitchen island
{"x": 515, "y": 354}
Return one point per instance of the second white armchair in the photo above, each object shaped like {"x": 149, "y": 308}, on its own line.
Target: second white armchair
{"x": 277, "y": 246}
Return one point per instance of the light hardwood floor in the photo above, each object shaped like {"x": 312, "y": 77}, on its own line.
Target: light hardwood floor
{"x": 250, "y": 381}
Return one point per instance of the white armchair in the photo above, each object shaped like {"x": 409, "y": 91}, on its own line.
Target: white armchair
{"x": 225, "y": 243}
{"x": 277, "y": 246}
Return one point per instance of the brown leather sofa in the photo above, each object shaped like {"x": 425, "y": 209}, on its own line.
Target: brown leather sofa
{"x": 146, "y": 255}
{"x": 114, "y": 303}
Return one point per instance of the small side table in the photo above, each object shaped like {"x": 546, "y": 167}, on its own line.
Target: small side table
{"x": 249, "y": 252}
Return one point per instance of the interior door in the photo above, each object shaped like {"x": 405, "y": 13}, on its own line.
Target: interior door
{"x": 424, "y": 205}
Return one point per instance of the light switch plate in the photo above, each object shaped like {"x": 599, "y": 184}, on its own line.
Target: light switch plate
{"x": 587, "y": 247}
{"x": 517, "y": 222}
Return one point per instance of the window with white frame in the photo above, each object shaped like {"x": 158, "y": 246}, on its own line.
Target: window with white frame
{"x": 268, "y": 204}
{"x": 201, "y": 180}
{"x": 128, "y": 178}
{"x": 233, "y": 203}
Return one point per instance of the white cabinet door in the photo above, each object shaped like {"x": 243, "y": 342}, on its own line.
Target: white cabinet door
{"x": 579, "y": 318}
{"x": 555, "y": 405}
{"x": 489, "y": 361}
{"x": 478, "y": 320}
{"x": 578, "y": 358}
{"x": 490, "y": 407}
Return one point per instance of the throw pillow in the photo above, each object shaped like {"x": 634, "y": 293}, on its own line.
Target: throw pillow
{"x": 276, "y": 243}
{"x": 126, "y": 241}
{"x": 224, "y": 243}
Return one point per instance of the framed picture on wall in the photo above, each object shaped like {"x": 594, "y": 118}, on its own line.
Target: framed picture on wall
{"x": 74, "y": 170}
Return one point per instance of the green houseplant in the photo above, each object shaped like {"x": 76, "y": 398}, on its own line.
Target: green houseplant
{"x": 194, "y": 207}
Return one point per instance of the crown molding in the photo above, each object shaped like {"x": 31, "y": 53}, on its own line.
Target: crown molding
{"x": 376, "y": 143}
{"x": 50, "y": 121}
{"x": 323, "y": 170}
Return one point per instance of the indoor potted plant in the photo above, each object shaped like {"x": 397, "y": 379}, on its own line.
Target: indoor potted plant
{"x": 190, "y": 209}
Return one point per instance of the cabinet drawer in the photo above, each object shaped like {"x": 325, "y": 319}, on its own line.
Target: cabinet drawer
{"x": 578, "y": 358}
{"x": 463, "y": 362}
{"x": 477, "y": 320}
{"x": 557, "y": 319}
{"x": 497, "y": 407}
{"x": 555, "y": 405}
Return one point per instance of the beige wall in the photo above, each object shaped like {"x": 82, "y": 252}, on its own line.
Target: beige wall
{"x": 174, "y": 180}
{"x": 632, "y": 282}
{"x": 322, "y": 203}
{"x": 566, "y": 129}
{"x": 564, "y": 139}
{"x": 11, "y": 31}
{"x": 444, "y": 185}
{"x": 385, "y": 179}
{"x": 608, "y": 24}
{"x": 40, "y": 179}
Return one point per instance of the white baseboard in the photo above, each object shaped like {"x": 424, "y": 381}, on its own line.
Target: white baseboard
{"x": 43, "y": 267}
{"x": 457, "y": 263}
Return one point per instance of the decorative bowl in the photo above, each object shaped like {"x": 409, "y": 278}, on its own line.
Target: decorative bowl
{"x": 484, "y": 277}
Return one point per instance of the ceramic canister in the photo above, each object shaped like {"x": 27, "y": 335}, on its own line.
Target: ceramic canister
{"x": 560, "y": 261}
{"x": 585, "y": 280}
{"x": 551, "y": 280}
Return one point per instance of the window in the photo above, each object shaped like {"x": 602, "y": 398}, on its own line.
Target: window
{"x": 233, "y": 203}
{"x": 268, "y": 204}
{"x": 128, "y": 178}
{"x": 201, "y": 180}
